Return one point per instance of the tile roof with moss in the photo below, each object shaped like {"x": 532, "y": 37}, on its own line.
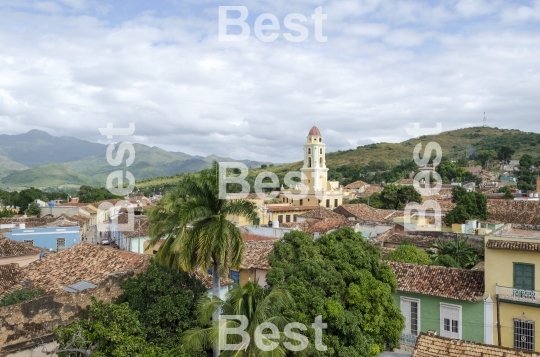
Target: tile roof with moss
{"x": 366, "y": 213}
{"x": 92, "y": 263}
{"x": 12, "y": 248}
{"x": 429, "y": 345}
{"x": 256, "y": 254}
{"x": 10, "y": 274}
{"x": 452, "y": 283}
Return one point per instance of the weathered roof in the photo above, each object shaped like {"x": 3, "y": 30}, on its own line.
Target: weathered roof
{"x": 366, "y": 213}
{"x": 452, "y": 283}
{"x": 436, "y": 346}
{"x": 256, "y": 237}
{"x": 356, "y": 184}
{"x": 510, "y": 211}
{"x": 322, "y": 212}
{"x": 9, "y": 275}
{"x": 328, "y": 224}
{"x": 12, "y": 248}
{"x": 141, "y": 225}
{"x": 513, "y": 245}
{"x": 92, "y": 263}
{"x": 256, "y": 254}
{"x": 418, "y": 241}
{"x": 290, "y": 208}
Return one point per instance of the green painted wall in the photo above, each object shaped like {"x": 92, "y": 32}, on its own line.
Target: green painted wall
{"x": 472, "y": 314}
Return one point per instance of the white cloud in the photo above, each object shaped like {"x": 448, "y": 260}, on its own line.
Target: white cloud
{"x": 385, "y": 66}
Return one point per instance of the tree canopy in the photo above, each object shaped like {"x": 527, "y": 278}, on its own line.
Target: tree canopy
{"x": 407, "y": 253}
{"x": 397, "y": 196}
{"x": 469, "y": 205}
{"x": 339, "y": 276}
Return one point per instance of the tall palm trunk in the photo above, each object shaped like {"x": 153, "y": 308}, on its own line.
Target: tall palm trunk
{"x": 216, "y": 288}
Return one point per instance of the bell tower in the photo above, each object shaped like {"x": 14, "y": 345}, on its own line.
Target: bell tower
{"x": 314, "y": 169}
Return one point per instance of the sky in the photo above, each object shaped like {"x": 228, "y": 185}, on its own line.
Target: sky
{"x": 69, "y": 67}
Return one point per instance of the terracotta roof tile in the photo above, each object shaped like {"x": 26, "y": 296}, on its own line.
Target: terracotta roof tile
{"x": 509, "y": 211}
{"x": 255, "y": 237}
{"x": 290, "y": 208}
{"x": 436, "y": 346}
{"x": 513, "y": 245}
{"x": 92, "y": 263}
{"x": 206, "y": 279}
{"x": 418, "y": 241}
{"x": 452, "y": 283}
{"x": 12, "y": 248}
{"x": 370, "y": 190}
{"x": 10, "y": 274}
{"x": 325, "y": 225}
{"x": 356, "y": 184}
{"x": 366, "y": 213}
{"x": 256, "y": 254}
{"x": 322, "y": 212}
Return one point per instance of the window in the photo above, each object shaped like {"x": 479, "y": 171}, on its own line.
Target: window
{"x": 451, "y": 321}
{"x": 288, "y": 218}
{"x": 29, "y": 241}
{"x": 335, "y": 202}
{"x": 327, "y": 203}
{"x": 280, "y": 218}
{"x": 320, "y": 161}
{"x": 301, "y": 202}
{"x": 410, "y": 308}
{"x": 320, "y": 139}
{"x": 523, "y": 276}
{"x": 524, "y": 335}
{"x": 309, "y": 151}
{"x": 309, "y": 162}
{"x": 235, "y": 276}
{"x": 295, "y": 217}
{"x": 60, "y": 244}
{"x": 320, "y": 151}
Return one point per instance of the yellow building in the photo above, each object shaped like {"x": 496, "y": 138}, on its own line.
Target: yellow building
{"x": 512, "y": 257}
{"x": 315, "y": 189}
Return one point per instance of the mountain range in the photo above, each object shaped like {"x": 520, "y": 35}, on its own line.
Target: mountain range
{"x": 38, "y": 159}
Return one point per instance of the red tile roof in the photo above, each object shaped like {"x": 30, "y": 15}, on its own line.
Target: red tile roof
{"x": 11, "y": 248}
{"x": 92, "y": 263}
{"x": 10, "y": 274}
{"x": 452, "y": 283}
{"x": 256, "y": 254}
{"x": 364, "y": 212}
{"x": 356, "y": 184}
{"x": 290, "y": 208}
{"x": 513, "y": 245}
{"x": 435, "y": 346}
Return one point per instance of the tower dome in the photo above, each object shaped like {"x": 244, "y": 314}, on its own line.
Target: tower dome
{"x": 314, "y": 131}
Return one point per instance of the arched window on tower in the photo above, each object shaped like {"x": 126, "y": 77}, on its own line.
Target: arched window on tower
{"x": 309, "y": 151}
{"x": 320, "y": 151}
{"x": 320, "y": 161}
{"x": 309, "y": 162}
{"x": 320, "y": 139}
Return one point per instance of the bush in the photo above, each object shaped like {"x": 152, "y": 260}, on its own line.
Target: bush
{"x": 21, "y": 295}
{"x": 406, "y": 253}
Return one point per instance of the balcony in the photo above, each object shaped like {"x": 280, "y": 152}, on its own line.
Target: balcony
{"x": 518, "y": 295}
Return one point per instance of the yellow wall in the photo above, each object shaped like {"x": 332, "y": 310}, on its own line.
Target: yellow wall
{"x": 499, "y": 270}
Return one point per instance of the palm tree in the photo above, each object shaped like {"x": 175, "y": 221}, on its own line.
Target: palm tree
{"x": 459, "y": 249}
{"x": 258, "y": 305}
{"x": 193, "y": 220}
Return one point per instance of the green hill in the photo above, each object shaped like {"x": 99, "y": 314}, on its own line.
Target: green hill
{"x": 46, "y": 176}
{"x": 455, "y": 144}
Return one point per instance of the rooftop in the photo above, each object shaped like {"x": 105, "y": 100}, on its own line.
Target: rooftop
{"x": 436, "y": 346}
{"x": 314, "y": 131}
{"x": 11, "y": 248}
{"x": 91, "y": 263}
{"x": 9, "y": 273}
{"x": 452, "y": 283}
{"x": 356, "y": 184}
{"x": 256, "y": 254}
{"x": 321, "y": 213}
{"x": 418, "y": 241}
{"x": 513, "y": 245}
{"x": 290, "y": 208}
{"x": 366, "y": 213}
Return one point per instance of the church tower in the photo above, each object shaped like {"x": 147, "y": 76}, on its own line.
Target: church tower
{"x": 314, "y": 169}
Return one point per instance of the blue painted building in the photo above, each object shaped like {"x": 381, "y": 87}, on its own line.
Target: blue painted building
{"x": 55, "y": 238}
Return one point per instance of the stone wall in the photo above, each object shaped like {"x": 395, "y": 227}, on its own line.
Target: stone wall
{"x": 28, "y": 324}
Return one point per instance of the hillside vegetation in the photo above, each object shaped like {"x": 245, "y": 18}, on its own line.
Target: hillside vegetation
{"x": 455, "y": 144}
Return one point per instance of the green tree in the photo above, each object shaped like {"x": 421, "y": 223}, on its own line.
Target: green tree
{"x": 526, "y": 177}
{"x": 484, "y": 156}
{"x": 450, "y": 171}
{"x": 504, "y": 153}
{"x": 33, "y": 210}
{"x": 165, "y": 300}
{"x": 258, "y": 305}
{"x": 445, "y": 260}
{"x": 459, "y": 249}
{"x": 339, "y": 276}
{"x": 397, "y": 196}
{"x": 469, "y": 205}
{"x": 507, "y": 194}
{"x": 407, "y": 253}
{"x": 526, "y": 161}
{"x": 110, "y": 330}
